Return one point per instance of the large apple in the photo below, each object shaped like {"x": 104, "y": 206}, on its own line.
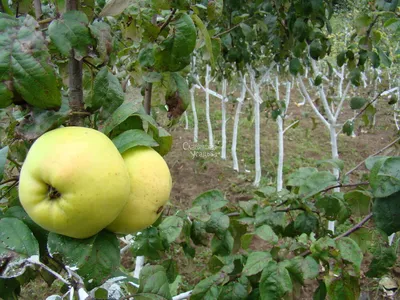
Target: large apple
{"x": 74, "y": 182}
{"x": 151, "y": 185}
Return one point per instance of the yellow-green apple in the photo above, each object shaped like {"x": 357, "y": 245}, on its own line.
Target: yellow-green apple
{"x": 151, "y": 185}
{"x": 74, "y": 182}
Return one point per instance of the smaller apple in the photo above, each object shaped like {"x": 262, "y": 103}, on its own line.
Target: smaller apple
{"x": 151, "y": 185}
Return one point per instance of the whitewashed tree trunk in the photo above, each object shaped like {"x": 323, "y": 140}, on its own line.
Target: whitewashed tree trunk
{"x": 397, "y": 107}
{"x": 210, "y": 132}
{"x": 240, "y": 101}
{"x": 195, "y": 120}
{"x": 257, "y": 151}
{"x": 186, "y": 120}
{"x": 223, "y": 111}
{"x": 279, "y": 179}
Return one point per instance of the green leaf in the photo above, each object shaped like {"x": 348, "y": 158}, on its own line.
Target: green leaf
{"x": 385, "y": 60}
{"x": 107, "y": 93}
{"x": 316, "y": 50}
{"x": 208, "y": 288}
{"x": 362, "y": 23}
{"x": 303, "y": 268}
{"x": 386, "y": 213}
{"x": 3, "y": 160}
{"x": 96, "y": 257}
{"x": 222, "y": 244}
{"x": 71, "y": 32}
{"x": 174, "y": 52}
{"x": 324, "y": 248}
{"x": 101, "y": 31}
{"x": 370, "y": 161}
{"x": 363, "y": 238}
{"x": 218, "y": 223}
{"x": 341, "y": 59}
{"x": 153, "y": 77}
{"x": 233, "y": 291}
{"x": 266, "y": 233}
{"x": 344, "y": 287}
{"x": 306, "y": 223}
{"x": 198, "y": 233}
{"x": 163, "y": 138}
{"x": 266, "y": 215}
{"x": 357, "y": 102}
{"x": 133, "y": 138}
{"x": 350, "y": 252}
{"x": 320, "y": 292}
{"x": 348, "y": 127}
{"x": 211, "y": 200}
{"x": 256, "y": 262}
{"x": 295, "y": 66}
{"x": 275, "y": 281}
{"x": 334, "y": 162}
{"x": 114, "y": 7}
{"x": 359, "y": 202}
{"x": 39, "y": 233}
{"x": 383, "y": 259}
{"x": 355, "y": 76}
{"x": 17, "y": 244}
{"x": 25, "y": 72}
{"x": 318, "y": 80}
{"x": 148, "y": 243}
{"x": 153, "y": 281}
{"x": 177, "y": 96}
{"x": 171, "y": 269}
{"x": 299, "y": 177}
{"x": 119, "y": 116}
{"x": 171, "y": 228}
{"x": 375, "y": 59}
{"x": 40, "y": 121}
{"x": 316, "y": 183}
{"x": 248, "y": 206}
{"x": 385, "y": 177}
{"x": 9, "y": 288}
{"x": 207, "y": 39}
{"x": 246, "y": 239}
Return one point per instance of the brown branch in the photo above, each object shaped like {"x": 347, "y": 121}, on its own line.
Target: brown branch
{"x": 376, "y": 153}
{"x": 368, "y": 105}
{"x": 345, "y": 185}
{"x": 12, "y": 179}
{"x": 168, "y": 21}
{"x": 368, "y": 33}
{"x": 147, "y": 97}
{"x": 38, "y": 9}
{"x": 228, "y": 30}
{"x": 14, "y": 162}
{"x": 9, "y": 189}
{"x": 354, "y": 228}
{"x": 345, "y": 234}
{"x": 75, "y": 80}
{"x": 233, "y": 214}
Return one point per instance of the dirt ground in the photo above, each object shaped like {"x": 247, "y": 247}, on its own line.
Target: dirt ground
{"x": 304, "y": 145}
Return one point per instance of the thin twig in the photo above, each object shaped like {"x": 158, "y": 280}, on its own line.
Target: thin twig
{"x": 12, "y": 179}
{"x": 368, "y": 105}
{"x": 355, "y": 228}
{"x": 376, "y": 153}
{"x": 167, "y": 22}
{"x": 345, "y": 185}
{"x": 345, "y": 234}
{"x": 19, "y": 166}
{"x": 232, "y": 28}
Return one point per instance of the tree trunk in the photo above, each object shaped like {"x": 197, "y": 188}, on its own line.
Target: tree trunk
{"x": 75, "y": 82}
